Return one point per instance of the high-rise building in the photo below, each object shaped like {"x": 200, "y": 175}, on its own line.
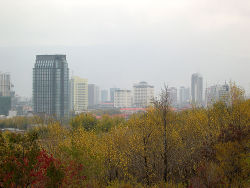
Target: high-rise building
{"x": 172, "y": 92}
{"x": 5, "y": 85}
{"x": 51, "y": 86}
{"x": 93, "y": 95}
{"x": 112, "y": 93}
{"x": 184, "y": 96}
{"x": 78, "y": 94}
{"x": 224, "y": 93}
{"x": 212, "y": 95}
{"x": 5, "y": 105}
{"x": 196, "y": 89}
{"x": 122, "y": 98}
{"x": 143, "y": 94}
{"x": 104, "y": 95}
{"x": 217, "y": 93}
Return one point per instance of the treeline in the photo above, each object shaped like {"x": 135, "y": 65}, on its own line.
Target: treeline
{"x": 89, "y": 122}
{"x": 159, "y": 148}
{"x": 88, "y": 119}
{"x": 24, "y": 123}
{"x": 21, "y": 123}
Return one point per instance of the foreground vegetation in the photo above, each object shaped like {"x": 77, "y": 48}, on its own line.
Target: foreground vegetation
{"x": 159, "y": 148}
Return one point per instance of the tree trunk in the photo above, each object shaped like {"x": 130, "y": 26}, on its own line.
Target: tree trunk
{"x": 165, "y": 148}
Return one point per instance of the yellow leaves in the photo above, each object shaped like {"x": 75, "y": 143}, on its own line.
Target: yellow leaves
{"x": 85, "y": 140}
{"x": 236, "y": 93}
{"x": 176, "y": 137}
{"x": 227, "y": 150}
{"x": 134, "y": 149}
{"x": 84, "y": 120}
{"x": 234, "y": 161}
{"x": 116, "y": 146}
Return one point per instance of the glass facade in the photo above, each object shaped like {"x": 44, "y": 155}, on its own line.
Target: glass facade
{"x": 50, "y": 85}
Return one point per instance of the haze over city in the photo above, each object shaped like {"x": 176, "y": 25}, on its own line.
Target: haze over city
{"x": 125, "y": 93}
{"x": 118, "y": 43}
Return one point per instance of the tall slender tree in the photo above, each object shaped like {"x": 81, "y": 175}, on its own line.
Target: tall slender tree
{"x": 162, "y": 107}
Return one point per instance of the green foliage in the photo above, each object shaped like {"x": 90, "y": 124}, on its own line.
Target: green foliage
{"x": 86, "y": 121}
{"x": 22, "y": 123}
{"x": 107, "y": 112}
{"x": 90, "y": 123}
{"x": 106, "y": 123}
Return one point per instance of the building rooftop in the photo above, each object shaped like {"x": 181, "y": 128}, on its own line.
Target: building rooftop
{"x": 143, "y": 84}
{"x": 51, "y": 57}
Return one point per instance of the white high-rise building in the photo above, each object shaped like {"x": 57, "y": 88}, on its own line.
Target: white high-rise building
{"x": 212, "y": 95}
{"x": 184, "y": 96}
{"x": 217, "y": 93}
{"x": 122, "y": 98}
{"x": 78, "y": 94}
{"x": 196, "y": 89}
{"x": 172, "y": 92}
{"x": 224, "y": 93}
{"x": 143, "y": 94}
{"x": 5, "y": 85}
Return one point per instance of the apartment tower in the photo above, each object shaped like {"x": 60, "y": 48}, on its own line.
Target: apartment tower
{"x": 122, "y": 98}
{"x": 143, "y": 94}
{"x": 5, "y": 85}
{"x": 196, "y": 89}
{"x": 78, "y": 94}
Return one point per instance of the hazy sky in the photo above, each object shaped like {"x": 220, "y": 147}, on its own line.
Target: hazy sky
{"x": 120, "y": 42}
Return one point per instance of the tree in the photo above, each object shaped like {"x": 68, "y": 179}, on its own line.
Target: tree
{"x": 85, "y": 120}
{"x": 162, "y": 107}
{"x": 24, "y": 164}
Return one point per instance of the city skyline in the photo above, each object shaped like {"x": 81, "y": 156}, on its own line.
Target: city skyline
{"x": 130, "y": 87}
{"x": 118, "y": 43}
{"x": 124, "y": 93}
{"x": 24, "y": 80}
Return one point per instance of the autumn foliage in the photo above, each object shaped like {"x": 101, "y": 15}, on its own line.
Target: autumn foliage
{"x": 24, "y": 164}
{"x": 193, "y": 148}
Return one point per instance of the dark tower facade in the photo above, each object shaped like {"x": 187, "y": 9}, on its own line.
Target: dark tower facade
{"x": 51, "y": 86}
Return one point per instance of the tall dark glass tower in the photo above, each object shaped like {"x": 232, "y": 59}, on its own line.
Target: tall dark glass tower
{"x": 51, "y": 85}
